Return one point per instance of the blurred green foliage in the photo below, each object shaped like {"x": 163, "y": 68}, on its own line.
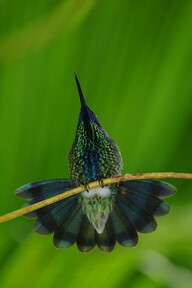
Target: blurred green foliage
{"x": 134, "y": 61}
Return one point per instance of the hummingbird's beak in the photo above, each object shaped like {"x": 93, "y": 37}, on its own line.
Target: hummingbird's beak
{"x": 82, "y": 99}
{"x": 85, "y": 114}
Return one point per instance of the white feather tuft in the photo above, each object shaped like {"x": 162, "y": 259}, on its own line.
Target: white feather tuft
{"x": 97, "y": 192}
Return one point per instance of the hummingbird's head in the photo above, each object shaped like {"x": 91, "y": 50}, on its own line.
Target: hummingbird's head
{"x": 86, "y": 114}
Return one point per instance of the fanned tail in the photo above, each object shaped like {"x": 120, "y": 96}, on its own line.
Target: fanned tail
{"x": 134, "y": 206}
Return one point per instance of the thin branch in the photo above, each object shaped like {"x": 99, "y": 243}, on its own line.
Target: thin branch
{"x": 66, "y": 194}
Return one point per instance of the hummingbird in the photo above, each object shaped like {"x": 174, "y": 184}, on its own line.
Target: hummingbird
{"x": 100, "y": 216}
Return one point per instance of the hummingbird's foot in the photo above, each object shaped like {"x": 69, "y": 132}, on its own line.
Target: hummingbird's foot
{"x": 101, "y": 183}
{"x": 117, "y": 184}
{"x": 86, "y": 186}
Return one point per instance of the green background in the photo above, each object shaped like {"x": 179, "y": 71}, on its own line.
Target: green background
{"x": 134, "y": 62}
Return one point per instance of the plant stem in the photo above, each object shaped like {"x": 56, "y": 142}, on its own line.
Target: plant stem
{"x": 69, "y": 193}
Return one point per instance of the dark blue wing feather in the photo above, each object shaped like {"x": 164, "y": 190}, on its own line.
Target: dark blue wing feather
{"x": 150, "y": 203}
{"x": 153, "y": 187}
{"x": 67, "y": 233}
{"x": 139, "y": 218}
{"x": 43, "y": 189}
{"x": 126, "y": 234}
{"x": 48, "y": 222}
{"x": 106, "y": 240}
{"x": 86, "y": 238}
{"x": 49, "y": 218}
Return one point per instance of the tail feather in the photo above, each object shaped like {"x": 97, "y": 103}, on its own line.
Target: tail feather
{"x": 139, "y": 218}
{"x": 150, "y": 203}
{"x": 126, "y": 234}
{"x": 42, "y": 211}
{"x": 106, "y": 240}
{"x": 48, "y": 222}
{"x": 153, "y": 187}
{"x": 51, "y": 216}
{"x": 41, "y": 190}
{"x": 86, "y": 238}
{"x": 67, "y": 233}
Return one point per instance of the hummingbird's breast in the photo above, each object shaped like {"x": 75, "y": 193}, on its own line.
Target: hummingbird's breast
{"x": 94, "y": 155}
